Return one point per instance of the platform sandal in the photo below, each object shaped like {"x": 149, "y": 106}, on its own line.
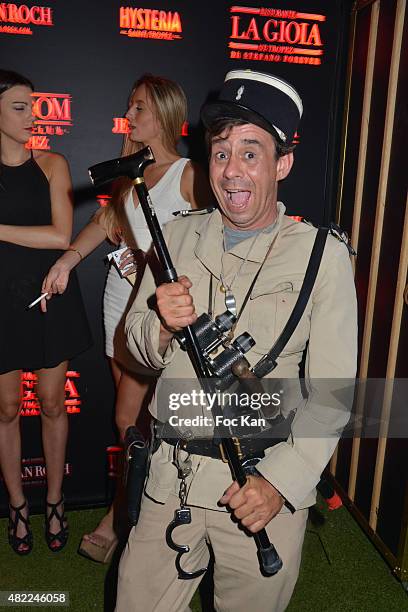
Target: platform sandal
{"x": 56, "y": 541}
{"x": 101, "y": 549}
{"x": 14, "y": 540}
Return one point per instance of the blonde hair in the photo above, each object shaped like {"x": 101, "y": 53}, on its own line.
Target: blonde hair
{"x": 170, "y": 107}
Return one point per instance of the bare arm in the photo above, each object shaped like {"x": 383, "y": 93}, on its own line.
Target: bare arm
{"x": 90, "y": 237}
{"x": 58, "y": 234}
{"x": 87, "y": 240}
{"x": 195, "y": 187}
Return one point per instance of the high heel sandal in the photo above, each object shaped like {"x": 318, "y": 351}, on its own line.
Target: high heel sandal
{"x": 14, "y": 540}
{"x": 62, "y": 536}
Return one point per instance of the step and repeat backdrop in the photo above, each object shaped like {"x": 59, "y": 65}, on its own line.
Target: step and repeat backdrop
{"x": 83, "y": 58}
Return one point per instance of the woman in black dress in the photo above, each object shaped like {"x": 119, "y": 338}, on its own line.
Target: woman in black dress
{"x": 35, "y": 227}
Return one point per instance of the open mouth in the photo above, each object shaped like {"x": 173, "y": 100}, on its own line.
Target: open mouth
{"x": 237, "y": 198}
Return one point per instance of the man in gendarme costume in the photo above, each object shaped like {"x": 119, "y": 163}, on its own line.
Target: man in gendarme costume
{"x": 250, "y": 130}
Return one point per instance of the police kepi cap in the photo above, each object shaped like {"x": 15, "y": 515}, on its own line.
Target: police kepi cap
{"x": 259, "y": 98}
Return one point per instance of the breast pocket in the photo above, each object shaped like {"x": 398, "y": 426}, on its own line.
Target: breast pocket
{"x": 270, "y": 309}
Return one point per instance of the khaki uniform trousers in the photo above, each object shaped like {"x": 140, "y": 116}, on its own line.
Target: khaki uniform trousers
{"x": 147, "y": 575}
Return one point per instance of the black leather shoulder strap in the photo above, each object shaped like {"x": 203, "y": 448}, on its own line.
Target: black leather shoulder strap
{"x": 268, "y": 362}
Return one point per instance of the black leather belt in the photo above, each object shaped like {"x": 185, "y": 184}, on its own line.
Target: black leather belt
{"x": 247, "y": 448}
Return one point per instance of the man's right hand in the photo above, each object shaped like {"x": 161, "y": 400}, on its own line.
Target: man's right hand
{"x": 175, "y": 305}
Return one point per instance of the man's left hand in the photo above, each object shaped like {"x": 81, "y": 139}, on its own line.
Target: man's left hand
{"x": 255, "y": 504}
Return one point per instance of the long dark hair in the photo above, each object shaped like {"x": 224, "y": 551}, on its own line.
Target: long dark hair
{"x": 9, "y": 79}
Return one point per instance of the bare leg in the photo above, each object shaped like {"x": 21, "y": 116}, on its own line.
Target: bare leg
{"x": 116, "y": 374}
{"x": 54, "y": 421}
{"x": 130, "y": 393}
{"x": 10, "y": 443}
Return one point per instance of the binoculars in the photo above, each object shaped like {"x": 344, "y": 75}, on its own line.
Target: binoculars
{"x": 212, "y": 333}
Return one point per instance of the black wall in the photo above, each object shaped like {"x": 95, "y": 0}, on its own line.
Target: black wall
{"x": 84, "y": 55}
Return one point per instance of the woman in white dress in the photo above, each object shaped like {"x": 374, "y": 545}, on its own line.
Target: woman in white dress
{"x": 156, "y": 113}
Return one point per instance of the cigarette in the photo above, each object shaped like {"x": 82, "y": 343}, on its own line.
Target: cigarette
{"x": 37, "y": 300}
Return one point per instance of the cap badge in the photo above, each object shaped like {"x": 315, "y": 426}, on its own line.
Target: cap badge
{"x": 240, "y": 92}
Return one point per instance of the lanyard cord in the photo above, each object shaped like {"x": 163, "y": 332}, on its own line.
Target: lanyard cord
{"x": 243, "y": 262}
{"x": 248, "y": 293}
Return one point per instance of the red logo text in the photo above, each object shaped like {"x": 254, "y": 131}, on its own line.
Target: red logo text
{"x": 113, "y": 456}
{"x": 103, "y": 200}
{"x": 121, "y": 126}
{"x": 275, "y": 35}
{"x": 22, "y": 14}
{"x": 53, "y": 117}
{"x": 30, "y": 405}
{"x": 149, "y": 23}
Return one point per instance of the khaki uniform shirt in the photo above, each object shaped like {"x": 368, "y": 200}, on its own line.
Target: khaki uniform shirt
{"x": 328, "y": 325}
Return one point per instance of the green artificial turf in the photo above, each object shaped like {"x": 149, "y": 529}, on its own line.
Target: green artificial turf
{"x": 341, "y": 571}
